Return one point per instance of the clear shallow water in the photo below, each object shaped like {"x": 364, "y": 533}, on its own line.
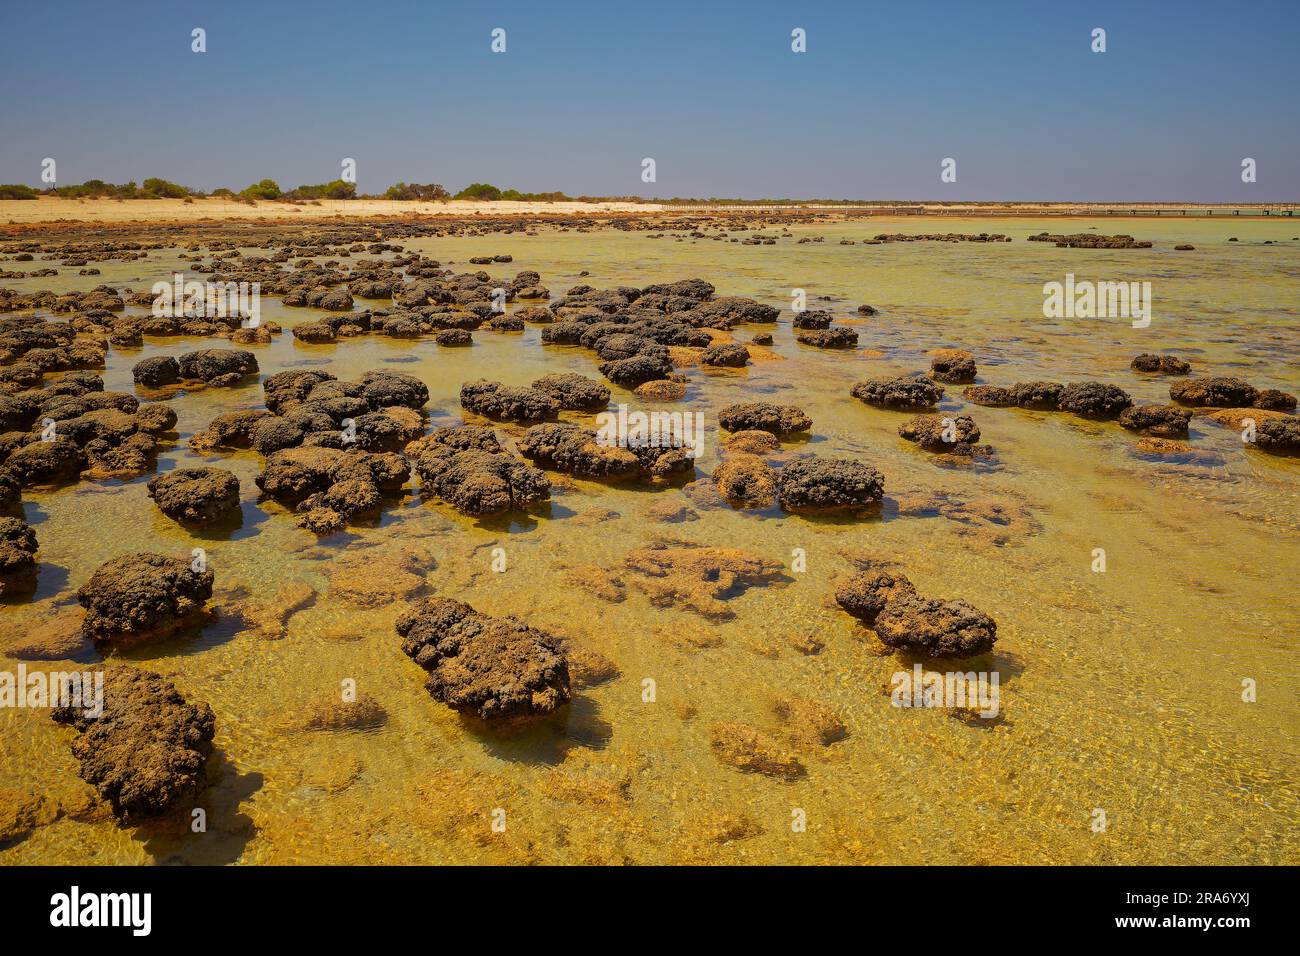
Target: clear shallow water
{"x": 1120, "y": 691}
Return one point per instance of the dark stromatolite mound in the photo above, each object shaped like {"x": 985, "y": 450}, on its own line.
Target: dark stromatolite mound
{"x": 1043, "y": 396}
{"x": 453, "y": 338}
{"x": 901, "y": 393}
{"x": 765, "y": 417}
{"x": 329, "y": 486}
{"x": 497, "y": 669}
{"x": 990, "y": 396}
{"x": 196, "y": 496}
{"x": 17, "y": 557}
{"x": 1278, "y": 436}
{"x": 1275, "y": 400}
{"x": 384, "y": 389}
{"x": 1160, "y": 364}
{"x": 727, "y": 355}
{"x": 460, "y": 437}
{"x": 828, "y": 484}
{"x": 1217, "y": 391}
{"x": 1162, "y": 421}
{"x": 508, "y": 402}
{"x": 726, "y": 311}
{"x": 943, "y": 434}
{"x": 480, "y": 483}
{"x": 886, "y": 600}
{"x": 955, "y": 366}
{"x": 17, "y": 412}
{"x": 217, "y": 366}
{"x": 229, "y": 430}
{"x": 573, "y": 391}
{"x": 156, "y": 372}
{"x": 1094, "y": 400}
{"x": 569, "y": 448}
{"x": 637, "y": 369}
{"x": 812, "y": 319}
{"x": 11, "y": 492}
{"x": 46, "y": 462}
{"x": 938, "y": 628}
{"x": 865, "y": 594}
{"x": 140, "y": 597}
{"x": 147, "y": 751}
{"x": 833, "y": 338}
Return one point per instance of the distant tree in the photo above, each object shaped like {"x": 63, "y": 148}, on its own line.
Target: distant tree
{"x": 163, "y": 189}
{"x": 481, "y": 191}
{"x": 16, "y": 191}
{"x": 426, "y": 192}
{"x": 266, "y": 189}
{"x": 223, "y": 191}
{"x": 337, "y": 189}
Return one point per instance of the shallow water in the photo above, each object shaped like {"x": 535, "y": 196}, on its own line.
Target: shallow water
{"x": 1120, "y": 690}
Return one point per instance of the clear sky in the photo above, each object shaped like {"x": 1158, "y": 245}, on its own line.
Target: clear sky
{"x": 712, "y": 91}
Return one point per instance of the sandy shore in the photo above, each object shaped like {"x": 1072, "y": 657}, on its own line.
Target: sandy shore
{"x": 48, "y": 209}
{"x": 51, "y": 209}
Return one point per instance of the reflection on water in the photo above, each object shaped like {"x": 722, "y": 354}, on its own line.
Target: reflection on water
{"x": 1120, "y": 691}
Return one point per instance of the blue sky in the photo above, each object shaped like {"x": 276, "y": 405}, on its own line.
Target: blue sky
{"x": 711, "y": 91}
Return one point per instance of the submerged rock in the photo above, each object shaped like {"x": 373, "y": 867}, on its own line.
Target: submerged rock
{"x": 746, "y": 480}
{"x": 809, "y": 722}
{"x": 147, "y": 751}
{"x": 749, "y": 749}
{"x": 497, "y": 669}
{"x": 140, "y": 597}
{"x": 752, "y": 442}
{"x": 698, "y": 578}
{"x": 662, "y": 390}
{"x": 826, "y": 484}
{"x": 331, "y": 712}
{"x": 198, "y": 496}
